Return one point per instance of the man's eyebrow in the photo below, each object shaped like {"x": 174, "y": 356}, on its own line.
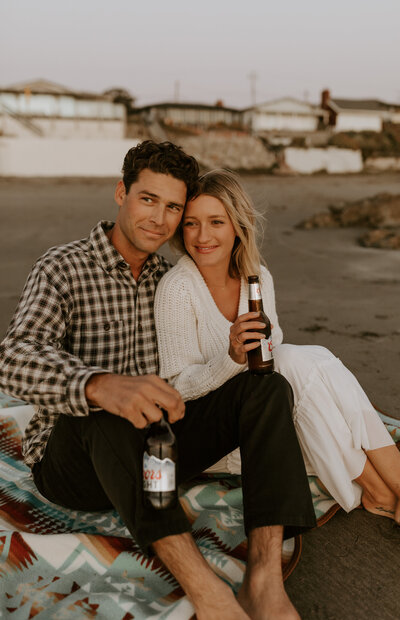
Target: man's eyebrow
{"x": 152, "y": 195}
{"x": 145, "y": 191}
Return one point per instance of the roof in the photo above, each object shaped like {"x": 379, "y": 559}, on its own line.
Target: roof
{"x": 45, "y": 87}
{"x": 180, "y": 105}
{"x": 370, "y": 105}
{"x": 306, "y": 105}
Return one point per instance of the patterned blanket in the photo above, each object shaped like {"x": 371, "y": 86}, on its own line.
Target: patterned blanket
{"x": 65, "y": 564}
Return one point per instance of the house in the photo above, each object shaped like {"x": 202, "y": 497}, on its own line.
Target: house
{"x": 285, "y": 115}
{"x": 194, "y": 115}
{"x": 358, "y": 114}
{"x": 45, "y": 109}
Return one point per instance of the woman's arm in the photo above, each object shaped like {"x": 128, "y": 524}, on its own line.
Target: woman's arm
{"x": 182, "y": 362}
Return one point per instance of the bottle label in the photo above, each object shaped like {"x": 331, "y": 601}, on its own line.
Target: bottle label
{"x": 158, "y": 474}
{"x": 266, "y": 349}
{"x": 254, "y": 291}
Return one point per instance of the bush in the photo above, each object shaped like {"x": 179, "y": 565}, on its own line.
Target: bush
{"x": 370, "y": 143}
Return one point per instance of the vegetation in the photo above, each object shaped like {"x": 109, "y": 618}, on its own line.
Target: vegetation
{"x": 371, "y": 143}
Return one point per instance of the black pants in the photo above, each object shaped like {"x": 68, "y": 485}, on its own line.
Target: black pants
{"x": 95, "y": 462}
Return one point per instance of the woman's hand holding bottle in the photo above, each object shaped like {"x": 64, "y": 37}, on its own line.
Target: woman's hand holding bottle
{"x": 242, "y": 330}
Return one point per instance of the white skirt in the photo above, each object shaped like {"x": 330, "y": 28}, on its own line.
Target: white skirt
{"x": 334, "y": 420}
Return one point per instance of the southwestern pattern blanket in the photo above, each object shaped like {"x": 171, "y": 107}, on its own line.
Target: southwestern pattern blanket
{"x": 64, "y": 564}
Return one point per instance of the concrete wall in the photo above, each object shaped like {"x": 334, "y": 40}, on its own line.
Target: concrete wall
{"x": 332, "y": 159}
{"x": 38, "y": 157}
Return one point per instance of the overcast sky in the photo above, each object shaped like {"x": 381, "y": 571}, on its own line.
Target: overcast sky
{"x": 166, "y": 50}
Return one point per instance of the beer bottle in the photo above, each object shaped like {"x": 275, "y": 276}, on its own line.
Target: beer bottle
{"x": 260, "y": 360}
{"x": 159, "y": 465}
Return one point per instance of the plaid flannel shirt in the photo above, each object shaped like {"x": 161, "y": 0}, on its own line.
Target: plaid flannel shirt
{"x": 81, "y": 312}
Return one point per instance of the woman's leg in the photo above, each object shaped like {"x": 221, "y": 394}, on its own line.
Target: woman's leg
{"x": 341, "y": 434}
{"x": 386, "y": 461}
{"x": 377, "y": 497}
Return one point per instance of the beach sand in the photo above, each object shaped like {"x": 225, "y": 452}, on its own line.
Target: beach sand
{"x": 330, "y": 291}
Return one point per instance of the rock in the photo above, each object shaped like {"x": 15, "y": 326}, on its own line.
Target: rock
{"x": 381, "y": 238}
{"x": 380, "y": 211}
{"x": 320, "y": 220}
{"x": 228, "y": 149}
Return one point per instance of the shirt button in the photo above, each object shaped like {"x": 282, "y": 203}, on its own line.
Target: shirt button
{"x": 142, "y": 364}
{"x": 107, "y": 327}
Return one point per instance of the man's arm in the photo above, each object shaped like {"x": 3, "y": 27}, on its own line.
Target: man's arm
{"x": 35, "y": 366}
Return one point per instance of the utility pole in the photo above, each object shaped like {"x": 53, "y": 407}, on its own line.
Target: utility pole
{"x": 253, "y": 78}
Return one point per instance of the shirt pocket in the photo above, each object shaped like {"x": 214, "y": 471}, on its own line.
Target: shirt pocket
{"x": 99, "y": 343}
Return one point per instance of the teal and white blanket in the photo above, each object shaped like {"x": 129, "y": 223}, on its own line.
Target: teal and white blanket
{"x": 68, "y": 565}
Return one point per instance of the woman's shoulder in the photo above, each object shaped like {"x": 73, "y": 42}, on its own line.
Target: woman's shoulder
{"x": 180, "y": 277}
{"x": 265, "y": 274}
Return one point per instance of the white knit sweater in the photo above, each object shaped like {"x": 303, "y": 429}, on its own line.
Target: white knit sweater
{"x": 193, "y": 334}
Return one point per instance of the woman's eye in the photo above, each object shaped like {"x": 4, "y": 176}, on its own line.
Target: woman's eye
{"x": 217, "y": 222}
{"x": 186, "y": 224}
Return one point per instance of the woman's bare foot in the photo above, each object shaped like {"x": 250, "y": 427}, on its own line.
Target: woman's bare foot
{"x": 386, "y": 505}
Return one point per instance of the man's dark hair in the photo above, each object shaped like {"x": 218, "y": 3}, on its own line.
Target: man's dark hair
{"x": 163, "y": 157}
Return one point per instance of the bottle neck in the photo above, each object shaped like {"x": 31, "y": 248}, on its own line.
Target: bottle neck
{"x": 255, "y": 299}
{"x": 254, "y": 291}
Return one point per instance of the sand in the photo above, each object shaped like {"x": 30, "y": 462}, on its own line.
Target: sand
{"x": 330, "y": 291}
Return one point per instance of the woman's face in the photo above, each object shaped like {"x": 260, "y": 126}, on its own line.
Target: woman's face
{"x": 208, "y": 232}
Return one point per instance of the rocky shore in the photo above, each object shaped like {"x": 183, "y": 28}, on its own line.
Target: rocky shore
{"x": 380, "y": 213}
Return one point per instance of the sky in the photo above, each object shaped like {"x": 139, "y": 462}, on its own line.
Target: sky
{"x": 175, "y": 50}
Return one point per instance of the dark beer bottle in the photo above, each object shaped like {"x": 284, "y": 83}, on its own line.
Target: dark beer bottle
{"x": 260, "y": 360}
{"x": 159, "y": 465}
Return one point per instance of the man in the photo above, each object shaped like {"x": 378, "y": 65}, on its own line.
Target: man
{"x": 82, "y": 347}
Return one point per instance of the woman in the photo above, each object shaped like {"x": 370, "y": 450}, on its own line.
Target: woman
{"x": 204, "y": 329}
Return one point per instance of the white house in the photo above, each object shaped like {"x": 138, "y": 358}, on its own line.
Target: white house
{"x": 45, "y": 109}
{"x": 285, "y": 115}
{"x": 196, "y": 115}
{"x": 358, "y": 114}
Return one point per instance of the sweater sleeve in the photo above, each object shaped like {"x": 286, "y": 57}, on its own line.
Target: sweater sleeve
{"x": 181, "y": 360}
{"x": 268, "y": 295}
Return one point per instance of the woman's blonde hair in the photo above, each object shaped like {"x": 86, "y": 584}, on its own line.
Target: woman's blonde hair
{"x": 226, "y": 187}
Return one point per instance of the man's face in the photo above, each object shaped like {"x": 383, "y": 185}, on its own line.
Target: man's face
{"x": 148, "y": 214}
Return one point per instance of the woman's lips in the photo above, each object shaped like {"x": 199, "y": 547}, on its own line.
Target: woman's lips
{"x": 205, "y": 249}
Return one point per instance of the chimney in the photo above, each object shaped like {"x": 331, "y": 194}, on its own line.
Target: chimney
{"x": 325, "y": 99}
{"x": 219, "y": 103}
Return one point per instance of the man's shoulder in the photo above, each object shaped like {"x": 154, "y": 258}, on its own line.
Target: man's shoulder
{"x": 58, "y": 256}
{"x": 163, "y": 264}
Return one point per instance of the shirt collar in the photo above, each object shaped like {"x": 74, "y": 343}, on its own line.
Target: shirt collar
{"x": 109, "y": 258}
